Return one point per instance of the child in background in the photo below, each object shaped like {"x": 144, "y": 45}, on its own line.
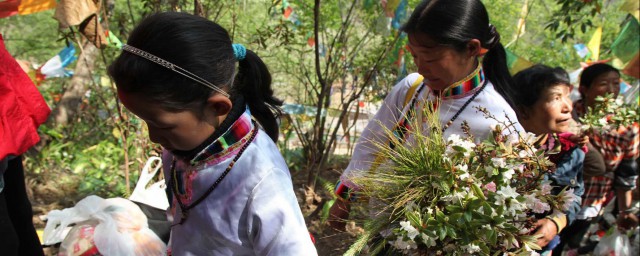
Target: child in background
{"x": 544, "y": 108}
{"x": 232, "y": 191}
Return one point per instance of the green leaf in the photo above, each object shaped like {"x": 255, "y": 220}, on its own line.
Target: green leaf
{"x": 477, "y": 191}
{"x": 467, "y": 216}
{"x": 442, "y": 233}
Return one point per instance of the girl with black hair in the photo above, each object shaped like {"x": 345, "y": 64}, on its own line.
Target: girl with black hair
{"x": 231, "y": 189}
{"x": 463, "y": 63}
{"x": 544, "y": 108}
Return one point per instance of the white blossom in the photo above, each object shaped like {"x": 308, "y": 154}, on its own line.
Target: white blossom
{"x": 411, "y": 231}
{"x": 535, "y": 204}
{"x": 507, "y": 175}
{"x": 508, "y": 192}
{"x": 567, "y": 199}
{"x": 602, "y": 121}
{"x": 471, "y": 248}
{"x": 498, "y": 162}
{"x": 545, "y": 188}
{"x": 455, "y": 140}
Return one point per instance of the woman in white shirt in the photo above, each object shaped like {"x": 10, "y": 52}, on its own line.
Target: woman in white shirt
{"x": 463, "y": 64}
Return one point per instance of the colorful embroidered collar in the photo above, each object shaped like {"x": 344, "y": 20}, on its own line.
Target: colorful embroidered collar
{"x": 228, "y": 141}
{"x": 465, "y": 86}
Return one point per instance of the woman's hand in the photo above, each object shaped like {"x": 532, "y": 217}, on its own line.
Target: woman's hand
{"x": 547, "y": 229}
{"x": 581, "y": 140}
{"x": 338, "y": 214}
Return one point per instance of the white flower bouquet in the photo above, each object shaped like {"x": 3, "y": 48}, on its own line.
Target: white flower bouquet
{"x": 609, "y": 113}
{"x": 456, "y": 197}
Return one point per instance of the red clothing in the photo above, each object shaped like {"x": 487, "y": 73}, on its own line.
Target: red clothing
{"x": 22, "y": 108}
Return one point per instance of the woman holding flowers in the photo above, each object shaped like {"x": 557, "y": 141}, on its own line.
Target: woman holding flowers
{"x": 544, "y": 108}
{"x": 610, "y": 164}
{"x": 463, "y": 64}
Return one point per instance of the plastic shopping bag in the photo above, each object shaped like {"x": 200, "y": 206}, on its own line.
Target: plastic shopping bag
{"x": 114, "y": 226}
{"x": 613, "y": 243}
{"x": 153, "y": 195}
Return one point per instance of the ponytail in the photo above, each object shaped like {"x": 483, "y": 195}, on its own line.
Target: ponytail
{"x": 253, "y": 82}
{"x": 495, "y": 67}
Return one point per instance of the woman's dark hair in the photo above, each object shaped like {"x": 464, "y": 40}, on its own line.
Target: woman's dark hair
{"x": 591, "y": 72}
{"x": 531, "y": 82}
{"x": 455, "y": 23}
{"x": 203, "y": 48}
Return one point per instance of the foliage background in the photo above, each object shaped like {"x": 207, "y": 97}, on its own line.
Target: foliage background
{"x": 90, "y": 154}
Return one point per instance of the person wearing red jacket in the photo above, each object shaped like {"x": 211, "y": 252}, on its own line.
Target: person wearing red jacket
{"x": 22, "y": 110}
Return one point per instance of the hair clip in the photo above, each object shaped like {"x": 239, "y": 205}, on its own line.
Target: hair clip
{"x": 239, "y": 51}
{"x": 171, "y": 66}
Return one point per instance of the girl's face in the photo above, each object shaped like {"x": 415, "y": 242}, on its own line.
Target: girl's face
{"x": 442, "y": 65}
{"x": 605, "y": 83}
{"x": 551, "y": 113}
{"x": 182, "y": 130}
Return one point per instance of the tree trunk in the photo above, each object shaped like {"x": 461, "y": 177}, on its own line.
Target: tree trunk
{"x": 69, "y": 104}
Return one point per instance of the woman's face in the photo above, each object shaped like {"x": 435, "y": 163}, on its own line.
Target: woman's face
{"x": 551, "y": 113}
{"x": 182, "y": 130}
{"x": 605, "y": 83}
{"x": 440, "y": 65}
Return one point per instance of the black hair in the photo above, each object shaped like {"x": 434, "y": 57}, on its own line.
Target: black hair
{"x": 591, "y": 72}
{"x": 531, "y": 82}
{"x": 203, "y": 48}
{"x": 456, "y": 22}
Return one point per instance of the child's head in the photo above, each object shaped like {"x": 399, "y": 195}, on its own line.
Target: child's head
{"x": 542, "y": 99}
{"x": 598, "y": 80}
{"x": 447, "y": 37}
{"x": 183, "y": 104}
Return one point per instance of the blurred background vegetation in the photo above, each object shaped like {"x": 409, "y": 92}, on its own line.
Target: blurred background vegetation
{"x": 331, "y": 60}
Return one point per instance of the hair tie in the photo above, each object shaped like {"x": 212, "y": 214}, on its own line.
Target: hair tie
{"x": 495, "y": 36}
{"x": 239, "y": 51}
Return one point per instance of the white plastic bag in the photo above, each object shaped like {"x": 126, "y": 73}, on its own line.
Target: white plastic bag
{"x": 153, "y": 195}
{"x": 613, "y": 243}
{"x": 114, "y": 226}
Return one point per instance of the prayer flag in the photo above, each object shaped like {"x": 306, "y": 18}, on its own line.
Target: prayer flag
{"x": 33, "y": 6}
{"x": 628, "y": 42}
{"x": 55, "y": 67}
{"x": 112, "y": 40}
{"x": 633, "y": 67}
{"x": 516, "y": 63}
{"x": 400, "y": 15}
{"x": 9, "y": 8}
{"x": 581, "y": 49}
{"x": 390, "y": 7}
{"x": 24, "y": 7}
{"x": 594, "y": 44}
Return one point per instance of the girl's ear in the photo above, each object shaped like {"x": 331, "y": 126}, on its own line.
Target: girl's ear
{"x": 474, "y": 48}
{"x": 217, "y": 107}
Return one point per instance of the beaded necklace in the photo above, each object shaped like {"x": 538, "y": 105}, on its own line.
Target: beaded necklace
{"x": 475, "y": 94}
{"x": 184, "y": 209}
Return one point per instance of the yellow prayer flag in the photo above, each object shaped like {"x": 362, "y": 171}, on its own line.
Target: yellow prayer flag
{"x": 594, "y": 44}
{"x": 33, "y": 6}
